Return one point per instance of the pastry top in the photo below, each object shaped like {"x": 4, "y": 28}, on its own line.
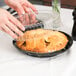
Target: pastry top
{"x": 34, "y": 34}
{"x": 42, "y": 41}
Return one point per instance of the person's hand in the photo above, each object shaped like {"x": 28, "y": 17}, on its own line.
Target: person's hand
{"x": 10, "y": 25}
{"x": 23, "y": 7}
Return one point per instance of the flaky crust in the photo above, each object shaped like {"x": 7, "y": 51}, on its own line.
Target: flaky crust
{"x": 42, "y": 41}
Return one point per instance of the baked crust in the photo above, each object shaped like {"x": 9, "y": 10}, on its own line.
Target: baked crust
{"x": 42, "y": 41}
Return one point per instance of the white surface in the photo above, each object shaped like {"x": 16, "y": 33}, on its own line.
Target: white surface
{"x": 14, "y": 63}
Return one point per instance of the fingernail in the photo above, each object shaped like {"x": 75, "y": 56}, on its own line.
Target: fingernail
{"x": 23, "y": 13}
{"x": 15, "y": 37}
{"x": 23, "y": 28}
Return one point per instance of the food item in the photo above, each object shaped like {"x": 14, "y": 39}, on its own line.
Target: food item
{"x": 42, "y": 41}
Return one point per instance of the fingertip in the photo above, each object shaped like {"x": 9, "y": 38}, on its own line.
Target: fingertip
{"x": 20, "y": 10}
{"x": 14, "y": 36}
{"x": 23, "y": 28}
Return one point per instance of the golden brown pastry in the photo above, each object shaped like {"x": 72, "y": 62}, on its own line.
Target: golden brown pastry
{"x": 42, "y": 41}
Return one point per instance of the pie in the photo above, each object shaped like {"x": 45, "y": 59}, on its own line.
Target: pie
{"x": 42, "y": 41}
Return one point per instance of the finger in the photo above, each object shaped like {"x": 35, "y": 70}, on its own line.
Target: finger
{"x": 7, "y": 30}
{"x": 33, "y": 18}
{"x": 27, "y": 10}
{"x": 16, "y": 22}
{"x": 27, "y": 19}
{"x": 28, "y": 4}
{"x": 1, "y": 29}
{"x": 14, "y": 28}
{"x": 27, "y": 15}
{"x": 19, "y": 9}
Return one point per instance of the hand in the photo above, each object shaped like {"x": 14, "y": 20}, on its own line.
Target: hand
{"x": 23, "y": 7}
{"x": 9, "y": 24}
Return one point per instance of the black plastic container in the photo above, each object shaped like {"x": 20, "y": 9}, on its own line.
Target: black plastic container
{"x": 43, "y": 55}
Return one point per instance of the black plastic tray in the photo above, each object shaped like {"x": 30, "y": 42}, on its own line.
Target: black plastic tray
{"x": 43, "y": 55}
